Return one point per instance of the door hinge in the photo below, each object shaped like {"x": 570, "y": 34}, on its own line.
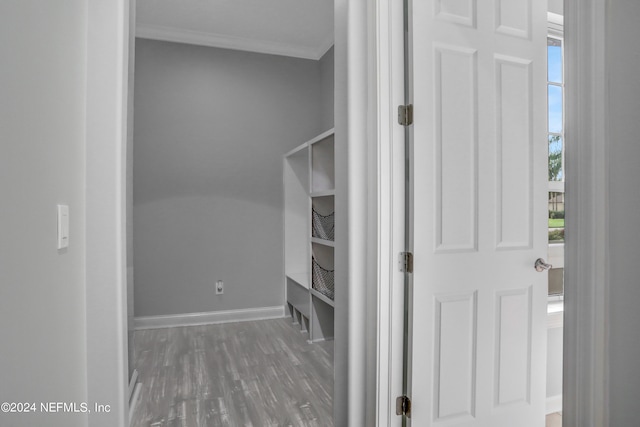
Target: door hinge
{"x": 406, "y": 262}
{"x": 403, "y": 406}
{"x": 405, "y": 114}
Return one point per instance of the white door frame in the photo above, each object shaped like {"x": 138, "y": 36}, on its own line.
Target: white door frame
{"x": 585, "y": 383}
{"x": 369, "y": 67}
{"x": 387, "y": 163}
{"x": 106, "y": 132}
{"x": 585, "y": 392}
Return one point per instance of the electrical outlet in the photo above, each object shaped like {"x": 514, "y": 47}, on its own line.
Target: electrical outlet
{"x": 219, "y": 287}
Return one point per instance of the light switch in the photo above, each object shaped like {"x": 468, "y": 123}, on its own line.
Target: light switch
{"x": 63, "y": 226}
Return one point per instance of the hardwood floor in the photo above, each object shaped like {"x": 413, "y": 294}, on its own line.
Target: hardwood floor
{"x": 554, "y": 420}
{"x": 261, "y": 373}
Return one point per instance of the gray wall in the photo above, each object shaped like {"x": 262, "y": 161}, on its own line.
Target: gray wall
{"x": 327, "y": 87}
{"x": 623, "y": 62}
{"x": 211, "y": 128}
{"x": 42, "y": 131}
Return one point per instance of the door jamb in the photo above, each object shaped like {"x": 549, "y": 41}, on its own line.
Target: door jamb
{"x": 388, "y": 164}
{"x": 105, "y": 169}
{"x": 585, "y": 382}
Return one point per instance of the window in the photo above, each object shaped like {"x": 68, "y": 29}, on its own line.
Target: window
{"x": 555, "y": 135}
{"x": 555, "y": 88}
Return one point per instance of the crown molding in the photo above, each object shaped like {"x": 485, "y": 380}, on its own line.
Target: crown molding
{"x": 177, "y": 35}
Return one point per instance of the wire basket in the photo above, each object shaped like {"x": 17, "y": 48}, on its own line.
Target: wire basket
{"x": 322, "y": 280}
{"x": 322, "y": 225}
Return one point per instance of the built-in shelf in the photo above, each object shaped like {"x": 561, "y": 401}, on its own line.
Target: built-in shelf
{"x": 322, "y": 297}
{"x": 323, "y": 136}
{"x": 323, "y": 193}
{"x": 323, "y": 242}
{"x": 309, "y": 209}
{"x": 301, "y": 279}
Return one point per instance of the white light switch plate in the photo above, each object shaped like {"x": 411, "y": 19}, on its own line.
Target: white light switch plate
{"x": 63, "y": 226}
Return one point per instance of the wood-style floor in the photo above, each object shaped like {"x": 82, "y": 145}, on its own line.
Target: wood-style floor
{"x": 554, "y": 420}
{"x": 261, "y": 373}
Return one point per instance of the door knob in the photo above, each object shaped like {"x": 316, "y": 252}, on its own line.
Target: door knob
{"x": 541, "y": 265}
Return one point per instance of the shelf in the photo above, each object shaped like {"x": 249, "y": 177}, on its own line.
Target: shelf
{"x": 322, "y": 297}
{"x": 321, "y": 137}
{"x": 323, "y": 193}
{"x": 301, "y": 279}
{"x": 296, "y": 150}
{"x": 323, "y": 242}
{"x": 323, "y": 164}
{"x": 309, "y": 212}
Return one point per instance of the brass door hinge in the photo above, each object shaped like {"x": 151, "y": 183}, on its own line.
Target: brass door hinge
{"x": 406, "y": 262}
{"x": 405, "y": 114}
{"x": 403, "y": 406}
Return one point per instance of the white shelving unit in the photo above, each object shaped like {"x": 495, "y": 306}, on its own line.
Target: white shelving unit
{"x": 309, "y": 207}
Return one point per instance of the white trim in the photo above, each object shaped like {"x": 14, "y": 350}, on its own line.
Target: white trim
{"x": 341, "y": 404}
{"x": 134, "y": 394}
{"x": 555, "y": 23}
{"x": 208, "y": 318}
{"x": 178, "y": 35}
{"x": 389, "y": 178}
{"x": 554, "y": 404}
{"x": 585, "y": 384}
{"x": 107, "y": 70}
{"x": 556, "y": 255}
{"x": 132, "y": 383}
{"x": 555, "y": 314}
{"x": 133, "y": 402}
{"x": 357, "y": 131}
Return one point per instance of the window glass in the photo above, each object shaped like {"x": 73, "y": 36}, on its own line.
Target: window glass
{"x": 554, "y": 58}
{"x": 556, "y": 217}
{"x": 555, "y": 158}
{"x": 556, "y": 200}
{"x": 555, "y": 109}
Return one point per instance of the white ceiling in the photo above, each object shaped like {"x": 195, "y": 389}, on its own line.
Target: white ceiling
{"x": 299, "y": 28}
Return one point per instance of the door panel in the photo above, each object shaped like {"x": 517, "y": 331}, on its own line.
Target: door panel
{"x": 478, "y": 340}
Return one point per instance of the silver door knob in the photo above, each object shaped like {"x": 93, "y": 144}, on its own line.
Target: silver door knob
{"x": 541, "y": 265}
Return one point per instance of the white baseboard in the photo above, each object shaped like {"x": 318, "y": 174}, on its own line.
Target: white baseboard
{"x": 208, "y": 318}
{"x": 133, "y": 401}
{"x": 132, "y": 382}
{"x": 554, "y": 404}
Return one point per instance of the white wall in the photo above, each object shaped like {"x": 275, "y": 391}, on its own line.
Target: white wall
{"x": 42, "y": 146}
{"x": 623, "y": 63}
{"x": 211, "y": 127}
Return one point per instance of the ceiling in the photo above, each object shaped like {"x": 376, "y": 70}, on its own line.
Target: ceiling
{"x": 298, "y": 28}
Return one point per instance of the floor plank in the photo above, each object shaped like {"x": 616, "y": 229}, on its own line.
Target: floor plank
{"x": 261, "y": 373}
{"x": 554, "y": 420}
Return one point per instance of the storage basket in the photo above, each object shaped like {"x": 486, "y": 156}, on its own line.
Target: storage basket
{"x": 322, "y": 280}
{"x": 322, "y": 225}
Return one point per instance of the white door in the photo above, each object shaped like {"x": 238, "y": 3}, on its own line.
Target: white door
{"x": 478, "y": 346}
